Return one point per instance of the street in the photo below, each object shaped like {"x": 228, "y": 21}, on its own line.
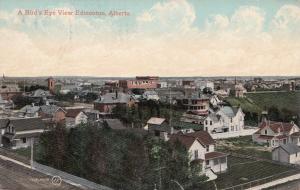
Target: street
{"x": 16, "y": 177}
{"x": 293, "y": 185}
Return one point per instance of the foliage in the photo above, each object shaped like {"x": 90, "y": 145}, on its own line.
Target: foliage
{"x": 119, "y": 159}
{"x": 139, "y": 115}
{"x": 21, "y": 101}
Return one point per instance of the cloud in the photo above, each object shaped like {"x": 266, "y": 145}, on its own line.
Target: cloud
{"x": 287, "y": 21}
{"x": 170, "y": 16}
{"x": 166, "y": 42}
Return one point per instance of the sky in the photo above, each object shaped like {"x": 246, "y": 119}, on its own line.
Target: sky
{"x": 164, "y": 38}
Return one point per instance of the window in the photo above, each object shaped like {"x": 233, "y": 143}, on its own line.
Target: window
{"x": 266, "y": 132}
{"x": 206, "y": 129}
{"x": 206, "y": 122}
{"x": 296, "y": 154}
{"x": 207, "y": 148}
{"x": 196, "y": 154}
{"x": 207, "y": 162}
{"x": 216, "y": 161}
{"x": 24, "y": 140}
{"x": 231, "y": 120}
{"x": 210, "y": 122}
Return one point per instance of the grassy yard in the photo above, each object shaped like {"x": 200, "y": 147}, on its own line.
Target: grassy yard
{"x": 243, "y": 170}
{"x": 245, "y": 146}
{"x": 23, "y": 152}
{"x": 288, "y": 100}
{"x": 246, "y": 104}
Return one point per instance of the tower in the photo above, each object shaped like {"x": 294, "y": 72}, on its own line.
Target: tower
{"x": 51, "y": 84}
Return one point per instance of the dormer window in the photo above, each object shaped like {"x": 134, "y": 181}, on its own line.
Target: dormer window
{"x": 207, "y": 148}
{"x": 266, "y": 132}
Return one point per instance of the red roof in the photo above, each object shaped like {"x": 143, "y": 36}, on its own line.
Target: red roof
{"x": 281, "y": 137}
{"x": 73, "y": 112}
{"x": 276, "y": 126}
{"x": 187, "y": 140}
{"x": 212, "y": 155}
{"x": 203, "y": 137}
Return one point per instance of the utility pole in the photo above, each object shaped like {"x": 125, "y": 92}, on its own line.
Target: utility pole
{"x": 31, "y": 155}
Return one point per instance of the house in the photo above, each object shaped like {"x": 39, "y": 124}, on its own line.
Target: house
{"x": 29, "y": 111}
{"x": 108, "y": 101}
{"x": 288, "y": 153}
{"x": 159, "y": 127}
{"x": 197, "y": 104}
{"x": 226, "y": 119}
{"x": 239, "y": 90}
{"x": 76, "y": 116}
{"x": 55, "y": 113}
{"x": 6, "y": 104}
{"x": 201, "y": 148}
{"x": 19, "y": 132}
{"x": 275, "y": 133}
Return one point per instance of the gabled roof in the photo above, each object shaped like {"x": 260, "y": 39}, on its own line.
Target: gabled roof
{"x": 203, "y": 136}
{"x": 228, "y": 111}
{"x": 24, "y": 124}
{"x": 73, "y": 112}
{"x": 185, "y": 140}
{"x": 213, "y": 155}
{"x": 50, "y": 109}
{"x": 290, "y": 148}
{"x": 114, "y": 98}
{"x": 188, "y": 139}
{"x": 156, "y": 120}
{"x": 276, "y": 126}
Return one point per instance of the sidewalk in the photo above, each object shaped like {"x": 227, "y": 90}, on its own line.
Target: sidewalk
{"x": 276, "y": 182}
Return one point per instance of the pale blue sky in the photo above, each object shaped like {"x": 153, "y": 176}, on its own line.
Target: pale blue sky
{"x": 165, "y": 38}
{"x": 203, "y": 8}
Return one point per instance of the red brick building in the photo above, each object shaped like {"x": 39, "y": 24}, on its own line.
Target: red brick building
{"x": 140, "y": 82}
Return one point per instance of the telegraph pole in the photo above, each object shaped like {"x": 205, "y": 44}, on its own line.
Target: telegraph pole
{"x": 31, "y": 155}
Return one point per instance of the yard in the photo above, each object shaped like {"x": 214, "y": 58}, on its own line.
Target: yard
{"x": 245, "y": 146}
{"x": 244, "y": 170}
{"x": 288, "y": 100}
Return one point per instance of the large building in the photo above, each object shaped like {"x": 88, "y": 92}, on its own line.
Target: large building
{"x": 140, "y": 82}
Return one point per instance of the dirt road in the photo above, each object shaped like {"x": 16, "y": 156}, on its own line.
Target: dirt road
{"x": 16, "y": 177}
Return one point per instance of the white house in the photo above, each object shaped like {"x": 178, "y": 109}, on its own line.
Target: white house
{"x": 76, "y": 116}
{"x": 201, "y": 148}
{"x": 226, "y": 119}
{"x": 275, "y": 133}
{"x": 19, "y": 132}
{"x": 288, "y": 153}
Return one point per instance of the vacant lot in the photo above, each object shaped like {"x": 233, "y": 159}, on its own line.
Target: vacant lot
{"x": 288, "y": 100}
{"x": 243, "y": 170}
{"x": 245, "y": 146}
